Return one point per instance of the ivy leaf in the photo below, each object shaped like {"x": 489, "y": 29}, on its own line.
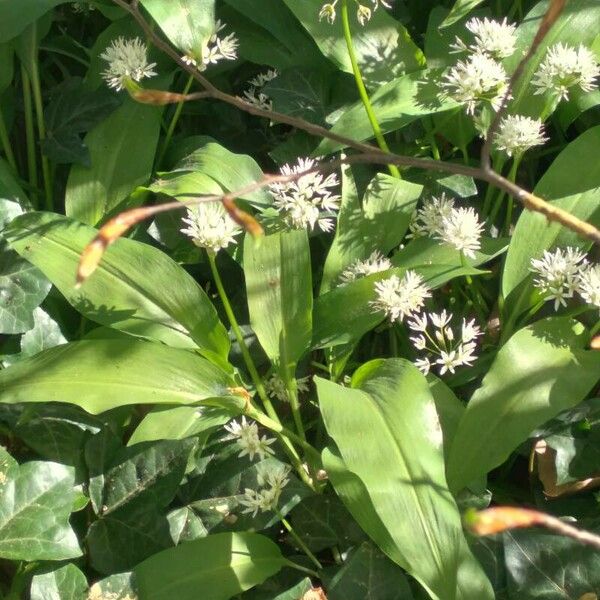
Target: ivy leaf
{"x": 65, "y": 583}
{"x": 36, "y": 500}
{"x": 45, "y": 334}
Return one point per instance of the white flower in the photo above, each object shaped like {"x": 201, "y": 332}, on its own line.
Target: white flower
{"x": 247, "y": 438}
{"x": 565, "y": 67}
{"x": 376, "y": 263}
{"x": 462, "y": 230}
{"x": 306, "y": 202}
{"x": 363, "y": 14}
{"x": 558, "y": 274}
{"x": 451, "y": 351}
{"x": 127, "y": 59}
{"x": 214, "y": 49}
{"x": 517, "y": 134}
{"x": 275, "y": 387}
{"x": 82, "y": 7}
{"x": 588, "y": 284}
{"x": 399, "y": 298}
{"x": 266, "y": 499}
{"x": 253, "y": 95}
{"x": 328, "y": 12}
{"x": 210, "y": 226}
{"x": 428, "y": 219}
{"x": 492, "y": 37}
{"x": 479, "y": 78}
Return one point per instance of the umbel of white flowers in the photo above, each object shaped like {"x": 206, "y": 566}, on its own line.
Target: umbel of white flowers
{"x": 516, "y": 134}
{"x": 254, "y": 94}
{"x": 363, "y": 13}
{"x": 561, "y": 273}
{"x": 307, "y": 202}
{"x": 399, "y": 297}
{"x": 246, "y": 437}
{"x": 274, "y": 479}
{"x": 440, "y": 341}
{"x": 214, "y": 49}
{"x": 210, "y": 226}
{"x": 127, "y": 59}
{"x": 376, "y": 263}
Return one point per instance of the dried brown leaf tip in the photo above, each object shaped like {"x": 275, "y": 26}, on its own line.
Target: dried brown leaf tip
{"x": 157, "y": 97}
{"x": 501, "y": 518}
{"x": 315, "y": 594}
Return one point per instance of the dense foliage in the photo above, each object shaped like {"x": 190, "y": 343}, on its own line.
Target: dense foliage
{"x": 296, "y": 384}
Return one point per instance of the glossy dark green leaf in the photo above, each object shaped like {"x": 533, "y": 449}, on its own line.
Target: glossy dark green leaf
{"x": 13, "y": 22}
{"x": 542, "y": 370}
{"x": 279, "y": 288}
{"x": 380, "y": 476}
{"x": 23, "y": 287}
{"x": 102, "y": 374}
{"x": 542, "y": 566}
{"x": 71, "y": 111}
{"x": 216, "y": 567}
{"x": 35, "y": 504}
{"x": 277, "y": 588}
{"x": 378, "y": 222}
{"x": 185, "y": 525}
{"x": 571, "y": 183}
{"x": 10, "y": 192}
{"x": 127, "y": 290}
{"x": 395, "y": 104}
{"x": 64, "y": 583}
{"x": 367, "y": 574}
{"x": 187, "y": 23}
{"x": 383, "y": 35}
{"x": 45, "y": 334}
{"x": 122, "y": 149}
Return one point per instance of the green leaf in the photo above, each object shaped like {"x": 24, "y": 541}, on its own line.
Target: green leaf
{"x": 102, "y": 374}
{"x": 460, "y": 10}
{"x": 64, "y": 583}
{"x": 277, "y": 588}
{"x": 185, "y": 525}
{"x": 187, "y": 23}
{"x": 130, "y": 278}
{"x": 45, "y": 334}
{"x": 122, "y": 150}
{"x": 380, "y": 475}
{"x": 13, "y": 21}
{"x": 545, "y": 566}
{"x": 22, "y": 289}
{"x": 449, "y": 409}
{"x": 542, "y": 370}
{"x": 367, "y": 574}
{"x": 395, "y": 104}
{"x": 379, "y": 222}
{"x": 216, "y": 567}
{"x": 231, "y": 171}
{"x": 279, "y": 287}
{"x": 72, "y": 110}
{"x": 383, "y": 35}
{"x": 35, "y": 504}
{"x": 572, "y": 182}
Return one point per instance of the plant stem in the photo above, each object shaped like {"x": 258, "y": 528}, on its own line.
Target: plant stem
{"x": 29, "y": 129}
{"x": 300, "y": 568}
{"x": 292, "y": 390}
{"x": 595, "y": 329}
{"x": 362, "y": 90}
{"x": 512, "y": 175}
{"x": 39, "y": 111}
{"x": 4, "y": 138}
{"x": 299, "y": 541}
{"x": 19, "y": 581}
{"x": 173, "y": 124}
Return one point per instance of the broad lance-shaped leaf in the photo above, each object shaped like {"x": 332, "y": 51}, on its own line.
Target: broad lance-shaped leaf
{"x": 389, "y": 472}
{"x": 279, "y": 287}
{"x": 36, "y": 500}
{"x": 13, "y": 22}
{"x": 572, "y": 182}
{"x": 102, "y": 374}
{"x": 216, "y": 567}
{"x": 542, "y": 370}
{"x": 127, "y": 291}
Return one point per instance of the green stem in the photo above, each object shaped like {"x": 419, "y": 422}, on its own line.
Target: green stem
{"x": 302, "y": 569}
{"x": 29, "y": 129}
{"x": 362, "y": 90}
{"x": 512, "y": 175}
{"x": 487, "y": 203}
{"x": 19, "y": 581}
{"x": 173, "y": 124}
{"x": 39, "y": 111}
{"x": 5, "y": 139}
{"x": 595, "y": 329}
{"x": 300, "y": 542}
{"x": 292, "y": 390}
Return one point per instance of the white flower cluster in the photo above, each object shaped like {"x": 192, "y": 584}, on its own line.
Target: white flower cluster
{"x": 376, "y": 263}
{"x": 214, "y": 49}
{"x": 307, "y": 202}
{"x": 440, "y": 219}
{"x": 495, "y": 38}
{"x": 451, "y": 351}
{"x": 254, "y": 94}
{"x": 266, "y": 499}
{"x": 363, "y": 12}
{"x": 400, "y": 298}
{"x": 565, "y": 67}
{"x": 82, "y": 7}
{"x": 210, "y": 226}
{"x": 127, "y": 59}
{"x": 517, "y": 133}
{"x": 562, "y": 273}
{"x": 275, "y": 387}
{"x": 246, "y": 436}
